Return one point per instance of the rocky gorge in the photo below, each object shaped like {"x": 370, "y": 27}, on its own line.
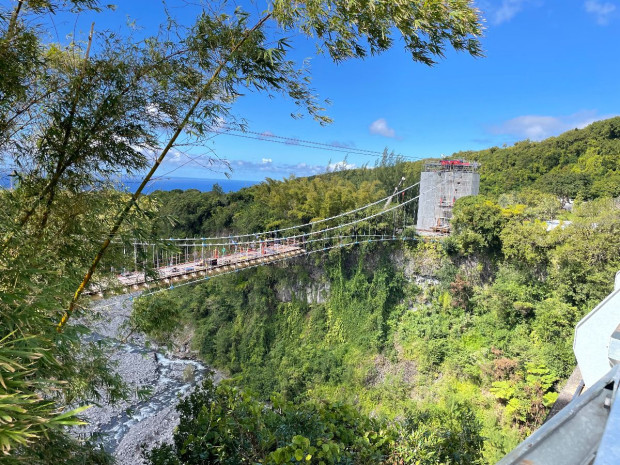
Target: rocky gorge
{"x": 156, "y": 377}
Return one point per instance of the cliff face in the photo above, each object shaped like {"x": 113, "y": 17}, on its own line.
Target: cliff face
{"x": 420, "y": 267}
{"x": 316, "y": 291}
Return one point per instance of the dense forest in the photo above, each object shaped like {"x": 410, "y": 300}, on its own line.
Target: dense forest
{"x": 479, "y": 322}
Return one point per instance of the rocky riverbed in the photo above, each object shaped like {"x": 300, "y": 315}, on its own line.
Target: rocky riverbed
{"x": 156, "y": 379}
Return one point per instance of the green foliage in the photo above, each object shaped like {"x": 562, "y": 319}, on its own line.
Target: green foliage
{"x": 526, "y": 244}
{"x": 243, "y": 326}
{"x": 581, "y": 162}
{"x": 59, "y": 448}
{"x": 440, "y": 436}
{"x": 587, "y": 254}
{"x": 158, "y": 318}
{"x": 552, "y": 334}
{"x": 224, "y": 425}
{"x": 477, "y": 223}
{"x": 503, "y": 390}
{"x": 511, "y": 297}
{"x": 44, "y": 371}
{"x": 575, "y": 259}
{"x": 355, "y": 29}
{"x": 527, "y": 394}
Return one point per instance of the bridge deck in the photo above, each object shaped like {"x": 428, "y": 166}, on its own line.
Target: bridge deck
{"x": 213, "y": 266}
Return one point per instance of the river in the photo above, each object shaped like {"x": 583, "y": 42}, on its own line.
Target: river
{"x": 155, "y": 377}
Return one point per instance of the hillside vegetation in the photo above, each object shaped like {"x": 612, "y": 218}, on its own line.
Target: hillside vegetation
{"x": 480, "y": 322}
{"x": 581, "y": 162}
{"x": 273, "y": 204}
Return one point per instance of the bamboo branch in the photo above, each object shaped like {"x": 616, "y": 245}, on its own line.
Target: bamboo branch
{"x": 13, "y": 22}
{"x": 59, "y": 171}
{"x": 75, "y": 156}
{"x": 46, "y": 212}
{"x": 132, "y": 201}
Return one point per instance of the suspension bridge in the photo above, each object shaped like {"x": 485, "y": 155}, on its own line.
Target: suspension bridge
{"x": 168, "y": 263}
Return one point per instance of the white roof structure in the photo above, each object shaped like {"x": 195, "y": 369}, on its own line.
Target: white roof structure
{"x": 593, "y": 335}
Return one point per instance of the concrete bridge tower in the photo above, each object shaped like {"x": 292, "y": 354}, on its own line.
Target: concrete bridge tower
{"x": 441, "y": 184}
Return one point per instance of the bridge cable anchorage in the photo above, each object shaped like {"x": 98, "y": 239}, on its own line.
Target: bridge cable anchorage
{"x": 244, "y": 255}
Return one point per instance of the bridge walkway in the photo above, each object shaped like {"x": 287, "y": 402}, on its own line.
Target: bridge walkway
{"x": 207, "y": 267}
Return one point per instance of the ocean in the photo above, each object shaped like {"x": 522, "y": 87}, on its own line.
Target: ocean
{"x": 171, "y": 183}
{"x": 201, "y": 184}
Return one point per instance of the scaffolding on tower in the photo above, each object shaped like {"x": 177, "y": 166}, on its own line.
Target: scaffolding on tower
{"x": 442, "y": 184}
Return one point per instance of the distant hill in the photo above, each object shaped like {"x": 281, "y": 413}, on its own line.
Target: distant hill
{"x": 582, "y": 162}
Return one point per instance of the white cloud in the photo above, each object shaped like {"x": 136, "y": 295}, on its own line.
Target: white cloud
{"x": 152, "y": 109}
{"x": 531, "y": 126}
{"x": 285, "y": 169}
{"x": 537, "y": 127}
{"x": 507, "y": 10}
{"x": 340, "y": 166}
{"x": 266, "y": 160}
{"x": 502, "y": 12}
{"x": 602, "y": 11}
{"x": 381, "y": 127}
{"x": 218, "y": 125}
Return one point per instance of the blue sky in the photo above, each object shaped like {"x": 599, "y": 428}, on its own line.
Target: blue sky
{"x": 550, "y": 66}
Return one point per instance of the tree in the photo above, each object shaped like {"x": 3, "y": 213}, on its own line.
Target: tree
{"x": 526, "y": 245}
{"x": 553, "y": 332}
{"x": 587, "y": 254}
{"x": 223, "y": 425}
{"x": 477, "y": 223}
{"x": 74, "y": 116}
